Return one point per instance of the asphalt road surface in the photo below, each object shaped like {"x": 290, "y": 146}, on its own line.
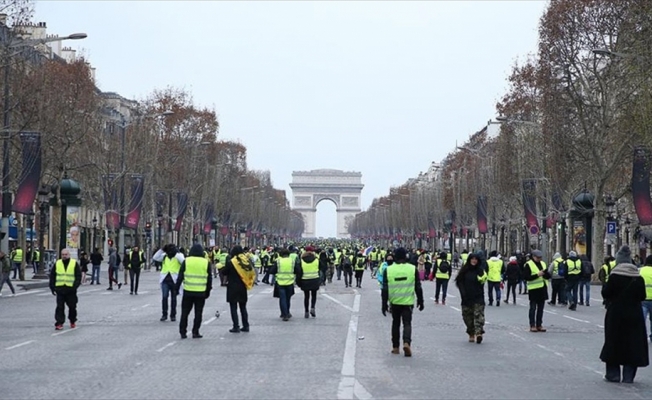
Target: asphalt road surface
{"x": 120, "y": 350}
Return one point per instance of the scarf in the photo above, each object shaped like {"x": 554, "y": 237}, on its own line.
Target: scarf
{"x": 628, "y": 270}
{"x": 242, "y": 265}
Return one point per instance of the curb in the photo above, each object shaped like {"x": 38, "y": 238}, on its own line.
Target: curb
{"x": 32, "y": 285}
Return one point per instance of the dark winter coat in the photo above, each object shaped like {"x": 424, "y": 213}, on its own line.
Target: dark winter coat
{"x": 625, "y": 340}
{"x": 513, "y": 272}
{"x": 541, "y": 294}
{"x": 310, "y": 284}
{"x": 96, "y": 258}
{"x": 236, "y": 291}
{"x": 471, "y": 290}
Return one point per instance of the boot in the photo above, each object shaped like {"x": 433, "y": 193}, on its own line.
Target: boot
{"x": 306, "y": 315}
{"x": 443, "y": 302}
{"x": 478, "y": 339}
{"x": 541, "y": 329}
{"x": 471, "y": 338}
{"x": 497, "y": 303}
{"x": 491, "y": 302}
{"x": 533, "y": 329}
{"x": 312, "y": 312}
{"x": 407, "y": 350}
{"x": 395, "y": 350}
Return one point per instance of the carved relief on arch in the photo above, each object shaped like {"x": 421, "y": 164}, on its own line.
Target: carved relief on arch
{"x": 335, "y": 198}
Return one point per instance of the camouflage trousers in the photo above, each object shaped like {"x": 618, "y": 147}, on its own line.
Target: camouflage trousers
{"x": 473, "y": 317}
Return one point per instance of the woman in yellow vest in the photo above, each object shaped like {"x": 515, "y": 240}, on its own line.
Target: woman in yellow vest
{"x": 197, "y": 279}
{"x": 308, "y": 280}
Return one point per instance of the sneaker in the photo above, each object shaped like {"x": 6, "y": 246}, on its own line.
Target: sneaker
{"x": 478, "y": 339}
{"x": 235, "y": 330}
{"x": 541, "y": 329}
{"x": 395, "y": 350}
{"x": 498, "y": 303}
{"x": 471, "y": 338}
{"x": 196, "y": 336}
{"x": 164, "y": 318}
{"x": 109, "y": 288}
{"x": 285, "y": 319}
{"x": 581, "y": 303}
{"x": 244, "y": 329}
{"x": 312, "y": 312}
{"x": 491, "y": 303}
{"x": 533, "y": 329}
{"x": 407, "y": 350}
{"x": 588, "y": 305}
{"x": 506, "y": 301}
{"x": 289, "y": 315}
{"x": 184, "y": 336}
{"x": 173, "y": 319}
{"x": 119, "y": 285}
{"x": 73, "y": 325}
{"x": 551, "y": 303}
{"x": 306, "y": 315}
{"x": 58, "y": 327}
{"x": 436, "y": 301}
{"x": 131, "y": 293}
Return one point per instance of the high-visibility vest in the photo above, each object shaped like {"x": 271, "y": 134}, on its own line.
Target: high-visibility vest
{"x": 222, "y": 260}
{"x": 495, "y": 267}
{"x": 18, "y": 255}
{"x": 65, "y": 276}
{"x": 539, "y": 282}
{"x": 140, "y": 253}
{"x": 442, "y": 275}
{"x": 37, "y": 256}
{"x": 383, "y": 254}
{"x": 171, "y": 266}
{"x": 285, "y": 273}
{"x": 358, "y": 261}
{"x": 646, "y": 273}
{"x": 293, "y": 257}
{"x": 400, "y": 284}
{"x": 574, "y": 267}
{"x": 464, "y": 256}
{"x": 449, "y": 257}
{"x": 607, "y": 270}
{"x": 555, "y": 265}
{"x": 257, "y": 262}
{"x": 310, "y": 270}
{"x": 195, "y": 277}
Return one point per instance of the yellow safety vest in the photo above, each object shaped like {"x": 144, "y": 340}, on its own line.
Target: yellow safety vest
{"x": 646, "y": 273}
{"x": 285, "y": 273}
{"x": 555, "y": 265}
{"x": 171, "y": 266}
{"x": 310, "y": 270}
{"x": 400, "y": 284}
{"x": 442, "y": 275}
{"x": 539, "y": 282}
{"x": 18, "y": 255}
{"x": 607, "y": 270}
{"x": 359, "y": 260}
{"x": 574, "y": 267}
{"x": 37, "y": 256}
{"x": 222, "y": 261}
{"x": 195, "y": 277}
{"x": 464, "y": 256}
{"x": 65, "y": 276}
{"x": 495, "y": 266}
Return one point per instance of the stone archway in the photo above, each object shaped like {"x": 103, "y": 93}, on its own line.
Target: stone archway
{"x": 311, "y": 187}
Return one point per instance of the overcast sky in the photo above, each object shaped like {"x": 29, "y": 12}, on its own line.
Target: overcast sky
{"x": 383, "y": 88}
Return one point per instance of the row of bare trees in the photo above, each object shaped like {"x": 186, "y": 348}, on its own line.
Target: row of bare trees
{"x": 569, "y": 122}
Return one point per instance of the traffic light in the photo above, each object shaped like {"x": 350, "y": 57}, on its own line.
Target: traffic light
{"x": 110, "y": 242}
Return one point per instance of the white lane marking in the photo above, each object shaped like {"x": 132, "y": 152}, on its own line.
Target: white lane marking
{"x": 145, "y": 292}
{"x": 62, "y": 332}
{"x": 577, "y": 319}
{"x": 209, "y": 321}
{"x": 19, "y": 345}
{"x": 518, "y": 336}
{"x": 600, "y": 300}
{"x": 337, "y": 302}
{"x": 90, "y": 291}
{"x": 455, "y": 308}
{"x": 450, "y": 295}
{"x": 349, "y": 386}
{"x": 29, "y": 292}
{"x": 107, "y": 292}
{"x": 166, "y": 346}
{"x": 146, "y": 305}
{"x": 600, "y": 326}
{"x": 522, "y": 305}
{"x": 550, "y": 312}
{"x": 45, "y": 294}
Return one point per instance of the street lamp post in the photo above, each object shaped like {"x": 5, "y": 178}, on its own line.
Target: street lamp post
{"x": 10, "y": 43}
{"x": 159, "y": 222}
{"x": 30, "y": 229}
{"x": 94, "y": 232}
{"x": 43, "y": 199}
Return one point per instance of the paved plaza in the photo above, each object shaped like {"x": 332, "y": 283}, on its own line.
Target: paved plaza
{"x": 120, "y": 350}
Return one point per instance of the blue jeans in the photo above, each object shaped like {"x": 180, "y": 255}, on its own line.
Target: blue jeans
{"x": 585, "y": 286}
{"x": 491, "y": 287}
{"x": 647, "y": 313}
{"x": 571, "y": 291}
{"x": 16, "y": 270}
{"x": 95, "y": 274}
{"x": 167, "y": 289}
{"x": 284, "y": 300}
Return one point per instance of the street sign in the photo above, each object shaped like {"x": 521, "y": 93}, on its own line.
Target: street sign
{"x": 534, "y": 230}
{"x": 611, "y": 227}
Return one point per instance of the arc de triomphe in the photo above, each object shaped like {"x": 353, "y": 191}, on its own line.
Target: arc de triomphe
{"x": 309, "y": 188}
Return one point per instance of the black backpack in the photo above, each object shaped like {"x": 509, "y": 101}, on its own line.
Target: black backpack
{"x": 444, "y": 267}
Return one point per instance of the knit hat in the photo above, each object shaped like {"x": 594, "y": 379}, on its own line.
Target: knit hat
{"x": 624, "y": 255}
{"x": 512, "y": 259}
{"x": 648, "y": 260}
{"x": 572, "y": 254}
{"x": 400, "y": 254}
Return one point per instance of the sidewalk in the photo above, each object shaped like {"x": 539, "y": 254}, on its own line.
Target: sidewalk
{"x": 30, "y": 284}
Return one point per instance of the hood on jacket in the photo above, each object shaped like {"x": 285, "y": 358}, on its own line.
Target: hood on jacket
{"x": 556, "y": 256}
{"x": 494, "y": 258}
{"x": 308, "y": 256}
{"x": 196, "y": 250}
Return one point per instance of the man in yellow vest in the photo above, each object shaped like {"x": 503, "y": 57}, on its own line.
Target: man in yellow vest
{"x": 573, "y": 274}
{"x": 172, "y": 260}
{"x": 646, "y": 274}
{"x": 401, "y": 284}
{"x": 495, "y": 273}
{"x": 536, "y": 275}
{"x": 608, "y": 265}
{"x": 360, "y": 263}
{"x": 17, "y": 259}
{"x": 442, "y": 274}
{"x": 197, "y": 279}
{"x": 285, "y": 271}
{"x": 65, "y": 278}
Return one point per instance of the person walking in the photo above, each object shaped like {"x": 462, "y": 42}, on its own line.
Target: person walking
{"x": 625, "y": 341}
{"x": 285, "y": 271}
{"x": 308, "y": 281}
{"x": 537, "y": 287}
{"x": 96, "y": 262}
{"x": 83, "y": 261}
{"x": 585, "y": 281}
{"x": 495, "y": 273}
{"x": 470, "y": 282}
{"x": 5, "y": 271}
{"x": 197, "y": 279}
{"x": 609, "y": 263}
{"x": 171, "y": 260}
{"x": 442, "y": 274}
{"x": 136, "y": 262}
{"x": 65, "y": 278}
{"x": 401, "y": 285}
{"x": 512, "y": 276}
{"x": 113, "y": 269}
{"x": 573, "y": 273}
{"x": 557, "y": 271}
{"x": 347, "y": 268}
{"x": 126, "y": 265}
{"x": 240, "y": 277}
{"x": 360, "y": 262}
{"x": 17, "y": 259}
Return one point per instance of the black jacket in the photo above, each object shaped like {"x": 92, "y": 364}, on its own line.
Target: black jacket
{"x": 513, "y": 272}
{"x": 96, "y": 258}
{"x": 471, "y": 290}
{"x": 53, "y": 278}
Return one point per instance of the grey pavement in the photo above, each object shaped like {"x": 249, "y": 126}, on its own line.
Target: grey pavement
{"x": 120, "y": 350}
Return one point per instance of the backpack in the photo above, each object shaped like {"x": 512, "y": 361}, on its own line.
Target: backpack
{"x": 561, "y": 268}
{"x": 346, "y": 262}
{"x": 444, "y": 267}
{"x": 587, "y": 268}
{"x": 361, "y": 261}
